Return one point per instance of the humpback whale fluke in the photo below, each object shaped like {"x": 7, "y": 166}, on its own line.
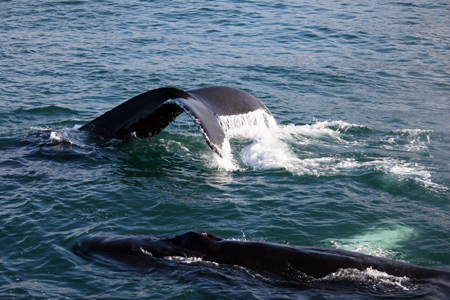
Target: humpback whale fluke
{"x": 149, "y": 113}
{"x": 139, "y": 253}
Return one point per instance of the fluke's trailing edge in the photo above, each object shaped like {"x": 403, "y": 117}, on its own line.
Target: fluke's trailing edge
{"x": 140, "y": 253}
{"x": 149, "y": 113}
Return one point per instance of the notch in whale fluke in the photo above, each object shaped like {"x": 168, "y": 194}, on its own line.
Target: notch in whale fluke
{"x": 149, "y": 113}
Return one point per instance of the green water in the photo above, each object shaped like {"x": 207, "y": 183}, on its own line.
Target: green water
{"x": 358, "y": 160}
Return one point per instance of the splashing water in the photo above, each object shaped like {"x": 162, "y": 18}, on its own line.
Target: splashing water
{"x": 323, "y": 148}
{"x": 71, "y": 136}
{"x": 247, "y": 125}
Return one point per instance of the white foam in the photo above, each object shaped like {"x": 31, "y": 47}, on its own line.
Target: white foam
{"x": 187, "y": 260}
{"x": 258, "y": 142}
{"x": 71, "y": 136}
{"x": 322, "y": 129}
{"x": 268, "y": 151}
{"x": 271, "y": 146}
{"x": 413, "y": 140}
{"x": 274, "y": 147}
{"x": 400, "y": 170}
{"x": 408, "y": 169}
{"x": 372, "y": 277}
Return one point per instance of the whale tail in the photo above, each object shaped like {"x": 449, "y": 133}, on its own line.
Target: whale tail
{"x": 149, "y": 113}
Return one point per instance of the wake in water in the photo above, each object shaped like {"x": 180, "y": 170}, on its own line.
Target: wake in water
{"x": 326, "y": 148}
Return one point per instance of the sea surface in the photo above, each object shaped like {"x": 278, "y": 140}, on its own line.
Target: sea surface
{"x": 356, "y": 156}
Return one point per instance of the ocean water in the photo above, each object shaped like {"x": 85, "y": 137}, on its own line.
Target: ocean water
{"x": 356, "y": 155}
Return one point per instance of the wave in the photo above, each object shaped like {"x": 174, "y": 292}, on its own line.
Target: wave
{"x": 46, "y": 110}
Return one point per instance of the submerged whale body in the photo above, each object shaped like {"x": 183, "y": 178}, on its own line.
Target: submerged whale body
{"x": 138, "y": 253}
{"x": 149, "y": 113}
